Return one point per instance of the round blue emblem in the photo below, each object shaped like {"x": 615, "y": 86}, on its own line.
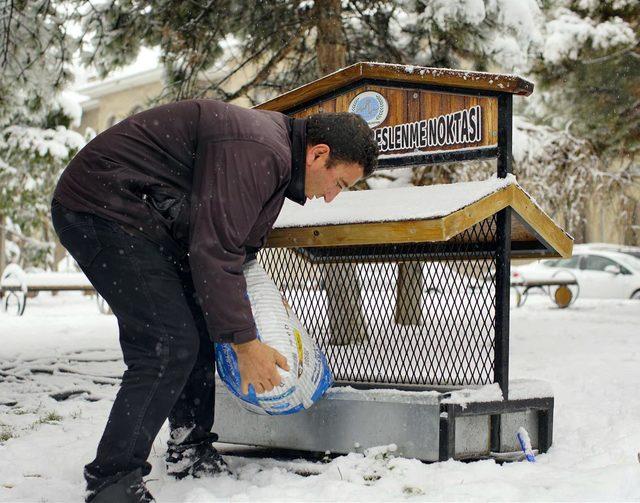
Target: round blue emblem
{"x": 371, "y": 106}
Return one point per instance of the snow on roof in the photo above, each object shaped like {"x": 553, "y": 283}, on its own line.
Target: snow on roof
{"x": 389, "y": 205}
{"x": 441, "y": 72}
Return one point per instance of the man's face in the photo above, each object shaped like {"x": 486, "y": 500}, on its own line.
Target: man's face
{"x": 321, "y": 181}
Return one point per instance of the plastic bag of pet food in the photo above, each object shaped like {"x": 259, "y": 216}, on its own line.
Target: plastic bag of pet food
{"x": 309, "y": 376}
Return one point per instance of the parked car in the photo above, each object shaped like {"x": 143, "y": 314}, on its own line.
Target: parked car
{"x": 634, "y": 251}
{"x": 600, "y": 274}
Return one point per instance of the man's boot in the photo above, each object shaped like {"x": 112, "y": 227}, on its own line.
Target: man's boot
{"x": 198, "y": 459}
{"x": 128, "y": 489}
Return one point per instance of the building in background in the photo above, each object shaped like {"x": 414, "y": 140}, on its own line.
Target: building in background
{"x": 129, "y": 90}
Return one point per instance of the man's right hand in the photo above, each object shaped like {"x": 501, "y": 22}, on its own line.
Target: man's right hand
{"x": 257, "y": 365}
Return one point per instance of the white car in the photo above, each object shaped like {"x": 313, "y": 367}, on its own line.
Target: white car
{"x": 600, "y": 274}
{"x": 634, "y": 251}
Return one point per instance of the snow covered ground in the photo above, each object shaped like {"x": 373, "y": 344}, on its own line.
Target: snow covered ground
{"x": 590, "y": 354}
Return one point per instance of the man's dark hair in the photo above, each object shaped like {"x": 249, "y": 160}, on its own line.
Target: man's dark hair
{"x": 349, "y": 137}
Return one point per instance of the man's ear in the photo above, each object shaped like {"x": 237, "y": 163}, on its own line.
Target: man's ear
{"x": 318, "y": 150}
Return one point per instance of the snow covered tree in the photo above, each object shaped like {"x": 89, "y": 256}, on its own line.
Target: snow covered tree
{"x": 204, "y": 44}
{"x": 31, "y": 160}
{"x": 35, "y": 142}
{"x": 588, "y": 75}
{"x": 588, "y": 69}
{"x": 280, "y": 44}
{"x": 35, "y": 58}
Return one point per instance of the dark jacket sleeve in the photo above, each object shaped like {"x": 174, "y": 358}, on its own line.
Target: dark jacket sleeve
{"x": 232, "y": 182}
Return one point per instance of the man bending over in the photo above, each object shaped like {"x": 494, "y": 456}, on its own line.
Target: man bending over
{"x": 161, "y": 211}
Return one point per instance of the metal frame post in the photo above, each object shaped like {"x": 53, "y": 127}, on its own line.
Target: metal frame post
{"x": 448, "y": 433}
{"x": 545, "y": 427}
{"x": 505, "y": 134}
{"x": 503, "y": 252}
{"x": 503, "y": 273}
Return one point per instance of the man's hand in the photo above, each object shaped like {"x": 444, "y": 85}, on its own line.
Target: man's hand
{"x": 257, "y": 365}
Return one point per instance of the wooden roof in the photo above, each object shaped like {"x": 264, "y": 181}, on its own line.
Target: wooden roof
{"x": 533, "y": 232}
{"x": 398, "y": 74}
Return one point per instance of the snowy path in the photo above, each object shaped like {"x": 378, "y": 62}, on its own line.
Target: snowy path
{"x": 589, "y": 353}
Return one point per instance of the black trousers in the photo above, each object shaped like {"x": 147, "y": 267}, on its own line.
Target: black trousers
{"x": 165, "y": 344}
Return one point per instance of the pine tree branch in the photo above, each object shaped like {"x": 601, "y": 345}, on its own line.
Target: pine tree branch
{"x": 258, "y": 52}
{"x": 101, "y": 32}
{"x": 608, "y": 57}
{"x": 6, "y": 42}
{"x": 395, "y": 53}
{"x": 26, "y": 239}
{"x": 203, "y": 11}
{"x": 264, "y": 72}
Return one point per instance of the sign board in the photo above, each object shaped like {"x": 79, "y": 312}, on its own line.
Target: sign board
{"x": 418, "y": 115}
{"x": 410, "y": 121}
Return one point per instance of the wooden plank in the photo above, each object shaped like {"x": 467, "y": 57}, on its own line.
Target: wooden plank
{"x": 409, "y": 294}
{"x": 461, "y": 220}
{"x": 344, "y": 100}
{"x": 307, "y": 112}
{"x": 410, "y": 231}
{"x": 502, "y": 83}
{"x": 397, "y": 105}
{"x": 312, "y": 90}
{"x": 520, "y": 232}
{"x": 541, "y": 223}
{"x": 539, "y": 254}
{"x": 515, "y": 197}
{"x": 505, "y": 83}
{"x": 343, "y": 293}
{"x": 415, "y": 104}
{"x": 327, "y": 106}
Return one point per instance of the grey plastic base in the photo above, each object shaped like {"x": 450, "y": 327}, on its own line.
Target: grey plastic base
{"x": 420, "y": 424}
{"x": 346, "y": 420}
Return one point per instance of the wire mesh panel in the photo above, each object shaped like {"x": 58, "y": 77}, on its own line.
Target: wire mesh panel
{"x": 417, "y": 314}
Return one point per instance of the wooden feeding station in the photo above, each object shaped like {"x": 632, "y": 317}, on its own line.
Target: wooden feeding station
{"x": 406, "y": 289}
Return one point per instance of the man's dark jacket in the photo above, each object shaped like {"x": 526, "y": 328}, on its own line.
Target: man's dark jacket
{"x": 201, "y": 177}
